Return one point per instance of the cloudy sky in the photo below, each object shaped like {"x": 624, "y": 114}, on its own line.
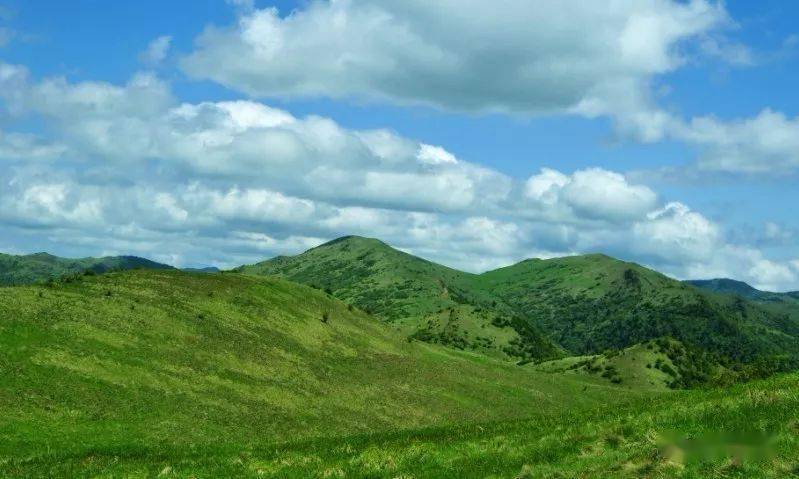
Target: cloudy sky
{"x": 469, "y": 132}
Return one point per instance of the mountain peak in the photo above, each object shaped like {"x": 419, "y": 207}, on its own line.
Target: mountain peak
{"x": 352, "y": 240}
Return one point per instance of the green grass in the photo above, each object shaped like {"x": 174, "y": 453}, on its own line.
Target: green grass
{"x": 138, "y": 362}
{"x": 750, "y": 431}
{"x": 153, "y": 373}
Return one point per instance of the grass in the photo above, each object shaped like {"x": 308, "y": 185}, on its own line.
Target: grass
{"x": 749, "y": 431}
{"x": 146, "y": 364}
{"x": 155, "y": 373}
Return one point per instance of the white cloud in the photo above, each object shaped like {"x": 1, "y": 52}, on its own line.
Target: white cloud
{"x": 591, "y": 194}
{"x": 766, "y": 143}
{"x": 459, "y": 55}
{"x": 586, "y": 58}
{"x": 156, "y": 51}
{"x": 127, "y": 169}
{"x": 676, "y": 233}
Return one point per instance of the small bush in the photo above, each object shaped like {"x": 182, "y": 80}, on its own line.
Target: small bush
{"x": 325, "y": 316}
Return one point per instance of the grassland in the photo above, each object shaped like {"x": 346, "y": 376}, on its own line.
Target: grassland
{"x": 162, "y": 373}
{"x": 140, "y": 364}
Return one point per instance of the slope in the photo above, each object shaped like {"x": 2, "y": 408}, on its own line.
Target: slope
{"x": 583, "y": 304}
{"x": 591, "y": 303}
{"x": 414, "y": 293}
{"x": 161, "y": 360}
{"x": 40, "y": 267}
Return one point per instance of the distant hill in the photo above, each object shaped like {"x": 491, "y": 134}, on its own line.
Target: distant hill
{"x": 39, "y": 267}
{"x": 731, "y": 286}
{"x": 207, "y": 269}
{"x": 581, "y": 304}
{"x": 594, "y": 302}
{"x": 428, "y": 301}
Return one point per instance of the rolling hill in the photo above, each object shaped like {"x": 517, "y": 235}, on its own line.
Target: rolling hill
{"x": 40, "y": 267}
{"x": 582, "y": 305}
{"x": 164, "y": 373}
{"x": 426, "y": 300}
{"x": 161, "y": 360}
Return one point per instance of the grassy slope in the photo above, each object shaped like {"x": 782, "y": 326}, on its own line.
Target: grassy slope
{"x": 748, "y": 431}
{"x": 658, "y": 365}
{"x": 591, "y": 303}
{"x": 138, "y": 362}
{"x": 426, "y": 299}
{"x": 40, "y": 267}
{"x": 584, "y": 304}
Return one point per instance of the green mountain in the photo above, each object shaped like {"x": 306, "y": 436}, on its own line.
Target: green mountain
{"x": 731, "y": 286}
{"x": 162, "y": 373}
{"x": 583, "y": 304}
{"x": 591, "y": 303}
{"x": 426, "y": 300}
{"x": 39, "y": 267}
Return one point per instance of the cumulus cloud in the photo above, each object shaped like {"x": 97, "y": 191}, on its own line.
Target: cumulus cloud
{"x": 454, "y": 54}
{"x": 591, "y": 194}
{"x": 584, "y": 58}
{"x": 128, "y": 169}
{"x": 766, "y": 143}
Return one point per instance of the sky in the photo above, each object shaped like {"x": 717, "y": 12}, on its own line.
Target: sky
{"x": 475, "y": 134}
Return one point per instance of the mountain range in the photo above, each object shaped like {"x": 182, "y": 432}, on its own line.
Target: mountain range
{"x": 539, "y": 309}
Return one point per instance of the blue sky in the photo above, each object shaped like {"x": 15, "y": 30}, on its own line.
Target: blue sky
{"x": 679, "y": 135}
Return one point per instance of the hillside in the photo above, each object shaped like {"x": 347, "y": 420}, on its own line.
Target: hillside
{"x": 173, "y": 361}
{"x": 40, "y": 267}
{"x": 428, "y": 301}
{"x": 591, "y": 303}
{"x": 156, "y": 373}
{"x": 583, "y": 305}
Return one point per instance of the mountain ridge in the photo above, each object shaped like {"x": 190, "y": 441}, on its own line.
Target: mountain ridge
{"x": 18, "y": 270}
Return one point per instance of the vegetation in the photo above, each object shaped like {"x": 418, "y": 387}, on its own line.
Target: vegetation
{"x": 427, "y": 301}
{"x": 162, "y": 360}
{"x": 545, "y": 309}
{"x": 164, "y": 373}
{"x": 42, "y": 267}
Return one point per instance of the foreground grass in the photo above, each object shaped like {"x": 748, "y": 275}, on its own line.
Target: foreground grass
{"x": 646, "y": 438}
{"x": 151, "y": 364}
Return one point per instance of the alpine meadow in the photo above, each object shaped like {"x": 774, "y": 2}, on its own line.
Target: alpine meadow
{"x": 342, "y": 239}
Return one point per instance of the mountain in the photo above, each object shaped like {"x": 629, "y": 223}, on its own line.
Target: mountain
{"x": 428, "y": 301}
{"x": 581, "y": 304}
{"x": 594, "y": 302}
{"x": 39, "y": 267}
{"x": 172, "y": 361}
{"x": 207, "y": 269}
{"x": 731, "y": 286}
